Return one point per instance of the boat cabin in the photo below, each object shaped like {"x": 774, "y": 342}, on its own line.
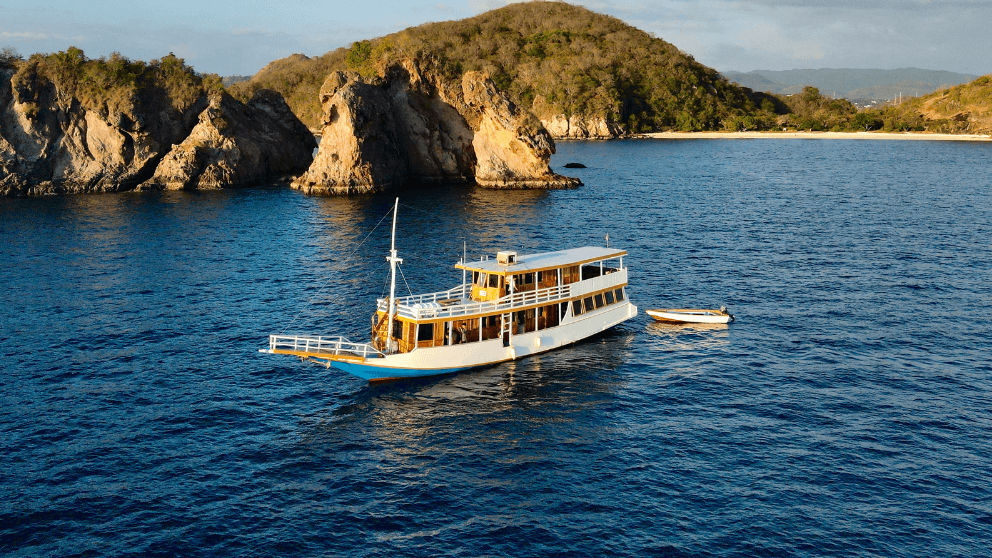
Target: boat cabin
{"x": 504, "y": 296}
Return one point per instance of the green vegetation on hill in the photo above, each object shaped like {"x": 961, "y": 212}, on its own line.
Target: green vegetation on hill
{"x": 114, "y": 81}
{"x": 812, "y": 111}
{"x": 551, "y": 58}
{"x": 964, "y": 108}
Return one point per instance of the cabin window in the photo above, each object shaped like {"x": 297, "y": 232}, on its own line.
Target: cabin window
{"x": 563, "y": 310}
{"x": 540, "y": 276}
{"x": 609, "y": 297}
{"x": 425, "y": 332}
{"x": 619, "y": 293}
{"x": 490, "y": 327}
{"x": 494, "y": 281}
{"x": 587, "y": 302}
{"x": 397, "y": 329}
{"x": 599, "y": 300}
{"x": 591, "y": 271}
{"x": 482, "y": 279}
{"x": 576, "y": 307}
{"x": 475, "y": 277}
{"x": 570, "y": 274}
{"x": 547, "y": 317}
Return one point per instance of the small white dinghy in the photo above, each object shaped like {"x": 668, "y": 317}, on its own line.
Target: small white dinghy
{"x": 691, "y": 315}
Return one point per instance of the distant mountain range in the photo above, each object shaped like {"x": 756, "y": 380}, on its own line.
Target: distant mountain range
{"x": 851, "y": 83}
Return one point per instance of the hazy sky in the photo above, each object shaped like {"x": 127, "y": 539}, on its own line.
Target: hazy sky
{"x": 229, "y": 37}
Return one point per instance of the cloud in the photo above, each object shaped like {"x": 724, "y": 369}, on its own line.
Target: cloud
{"x": 27, "y": 36}
{"x": 769, "y": 39}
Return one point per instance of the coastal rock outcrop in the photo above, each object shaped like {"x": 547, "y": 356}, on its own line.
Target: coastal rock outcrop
{"x": 410, "y": 126}
{"x": 73, "y": 125}
{"x": 50, "y": 143}
{"x": 582, "y": 127}
{"x": 234, "y": 144}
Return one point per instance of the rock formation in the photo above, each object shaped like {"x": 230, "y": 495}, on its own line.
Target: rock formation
{"x": 582, "y": 127}
{"x": 52, "y": 142}
{"x": 410, "y": 126}
{"x": 234, "y": 144}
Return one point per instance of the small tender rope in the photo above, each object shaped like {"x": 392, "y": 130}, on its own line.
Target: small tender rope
{"x": 327, "y": 282}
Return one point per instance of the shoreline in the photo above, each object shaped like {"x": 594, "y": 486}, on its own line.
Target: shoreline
{"x": 911, "y": 136}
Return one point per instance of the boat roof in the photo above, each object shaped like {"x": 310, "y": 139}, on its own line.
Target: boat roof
{"x": 545, "y": 260}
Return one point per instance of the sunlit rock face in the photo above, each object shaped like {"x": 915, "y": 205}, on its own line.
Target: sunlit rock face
{"x": 53, "y": 143}
{"x": 410, "y": 127}
{"x": 236, "y": 144}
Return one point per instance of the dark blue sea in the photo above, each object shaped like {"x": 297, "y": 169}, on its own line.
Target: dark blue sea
{"x": 846, "y": 412}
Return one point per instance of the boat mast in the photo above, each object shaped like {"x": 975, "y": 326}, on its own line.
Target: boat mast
{"x": 393, "y": 260}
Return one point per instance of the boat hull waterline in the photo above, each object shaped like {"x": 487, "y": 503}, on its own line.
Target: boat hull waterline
{"x": 420, "y": 363}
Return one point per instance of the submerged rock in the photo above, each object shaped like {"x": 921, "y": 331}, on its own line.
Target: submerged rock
{"x": 412, "y": 127}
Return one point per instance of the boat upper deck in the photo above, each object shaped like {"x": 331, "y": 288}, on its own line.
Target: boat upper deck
{"x": 457, "y": 302}
{"x": 530, "y": 263}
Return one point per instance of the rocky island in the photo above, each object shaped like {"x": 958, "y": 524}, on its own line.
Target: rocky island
{"x": 73, "y": 125}
{"x": 409, "y": 126}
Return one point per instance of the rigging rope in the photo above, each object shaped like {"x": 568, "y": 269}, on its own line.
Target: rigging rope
{"x": 327, "y": 282}
{"x": 404, "y": 280}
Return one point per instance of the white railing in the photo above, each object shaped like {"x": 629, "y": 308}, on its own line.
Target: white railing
{"x": 425, "y": 309}
{"x": 605, "y": 281}
{"x": 330, "y": 346}
{"x": 436, "y": 305}
{"x": 459, "y": 292}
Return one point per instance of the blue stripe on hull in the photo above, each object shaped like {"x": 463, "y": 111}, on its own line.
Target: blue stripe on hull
{"x": 373, "y": 373}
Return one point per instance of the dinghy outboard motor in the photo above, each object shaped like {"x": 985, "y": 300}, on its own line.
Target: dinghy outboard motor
{"x": 724, "y": 310}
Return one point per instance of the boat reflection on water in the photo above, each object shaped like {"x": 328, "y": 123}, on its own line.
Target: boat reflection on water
{"x": 688, "y": 337}
{"x": 518, "y": 402}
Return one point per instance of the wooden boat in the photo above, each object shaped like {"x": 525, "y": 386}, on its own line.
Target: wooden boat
{"x": 691, "y": 315}
{"x": 513, "y": 306}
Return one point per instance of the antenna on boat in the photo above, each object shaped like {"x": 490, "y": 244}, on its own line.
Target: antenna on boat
{"x": 393, "y": 260}
{"x": 464, "y": 255}
{"x": 607, "y": 240}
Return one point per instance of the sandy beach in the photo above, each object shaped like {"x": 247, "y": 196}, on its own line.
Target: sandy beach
{"x": 820, "y": 135}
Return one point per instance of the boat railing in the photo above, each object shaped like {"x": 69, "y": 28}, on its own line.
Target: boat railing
{"x": 317, "y": 346}
{"x": 605, "y": 281}
{"x": 449, "y": 304}
{"x": 457, "y": 293}
{"x": 429, "y": 310}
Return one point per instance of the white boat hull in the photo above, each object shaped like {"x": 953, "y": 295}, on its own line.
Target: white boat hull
{"x": 690, "y": 316}
{"x": 454, "y": 358}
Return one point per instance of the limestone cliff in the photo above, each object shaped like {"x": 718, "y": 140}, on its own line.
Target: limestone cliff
{"x": 63, "y": 132}
{"x": 51, "y": 144}
{"x": 410, "y": 126}
{"x": 234, "y": 144}
{"x": 582, "y": 127}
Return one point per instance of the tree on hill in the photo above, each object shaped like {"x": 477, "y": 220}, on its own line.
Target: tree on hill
{"x": 117, "y": 81}
{"x": 965, "y": 108}
{"x": 551, "y": 58}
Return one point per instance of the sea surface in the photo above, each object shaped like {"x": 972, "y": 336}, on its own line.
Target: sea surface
{"x": 846, "y": 412}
